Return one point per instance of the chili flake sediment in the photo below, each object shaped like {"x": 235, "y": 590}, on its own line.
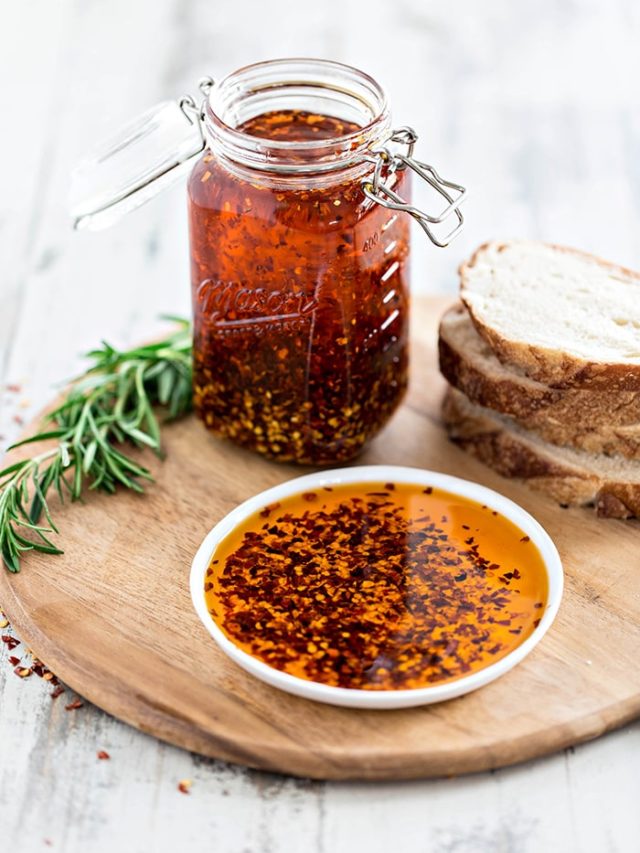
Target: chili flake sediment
{"x": 377, "y": 586}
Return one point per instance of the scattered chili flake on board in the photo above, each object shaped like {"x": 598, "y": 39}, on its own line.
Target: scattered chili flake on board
{"x": 103, "y": 755}
{"x": 185, "y": 785}
{"x": 58, "y": 691}
{"x": 73, "y": 706}
{"x": 369, "y": 590}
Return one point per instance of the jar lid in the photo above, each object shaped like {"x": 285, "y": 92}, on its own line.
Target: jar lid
{"x": 157, "y": 148}
{"x": 147, "y": 155}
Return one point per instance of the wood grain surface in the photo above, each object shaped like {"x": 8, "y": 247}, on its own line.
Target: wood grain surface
{"x": 113, "y": 618}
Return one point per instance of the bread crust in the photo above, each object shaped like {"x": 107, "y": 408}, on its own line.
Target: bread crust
{"x": 554, "y": 367}
{"x": 512, "y": 455}
{"x": 596, "y": 421}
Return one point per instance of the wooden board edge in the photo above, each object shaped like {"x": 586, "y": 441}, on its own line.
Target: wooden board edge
{"x": 304, "y": 765}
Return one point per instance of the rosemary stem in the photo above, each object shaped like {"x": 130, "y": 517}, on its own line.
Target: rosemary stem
{"x": 113, "y": 403}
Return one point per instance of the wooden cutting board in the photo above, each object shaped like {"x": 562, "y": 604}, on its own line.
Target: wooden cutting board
{"x": 113, "y": 618}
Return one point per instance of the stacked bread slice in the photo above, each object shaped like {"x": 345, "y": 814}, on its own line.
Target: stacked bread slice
{"x": 543, "y": 361}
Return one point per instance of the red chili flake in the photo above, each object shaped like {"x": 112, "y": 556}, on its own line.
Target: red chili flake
{"x": 327, "y": 488}
{"x": 14, "y": 661}
{"x": 184, "y": 786}
{"x": 466, "y": 527}
{"x": 539, "y": 604}
{"x": 525, "y": 539}
{"x": 103, "y": 755}
{"x": 43, "y": 672}
{"x": 73, "y": 706}
{"x": 208, "y": 586}
{"x": 266, "y": 512}
{"x": 11, "y": 642}
{"x": 22, "y": 671}
{"x": 309, "y": 496}
{"x": 59, "y": 690}
{"x": 13, "y": 388}
{"x": 536, "y": 622}
{"x": 428, "y": 490}
{"x": 390, "y": 487}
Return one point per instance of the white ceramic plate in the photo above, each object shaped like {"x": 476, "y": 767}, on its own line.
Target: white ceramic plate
{"x": 379, "y": 698}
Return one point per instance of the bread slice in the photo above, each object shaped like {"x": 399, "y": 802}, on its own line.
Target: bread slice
{"x": 572, "y": 477}
{"x": 566, "y": 318}
{"x": 597, "y": 421}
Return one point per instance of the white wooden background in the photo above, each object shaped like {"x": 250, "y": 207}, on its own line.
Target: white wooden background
{"x": 535, "y": 105}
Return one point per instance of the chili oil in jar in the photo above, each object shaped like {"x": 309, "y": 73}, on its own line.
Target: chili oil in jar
{"x": 299, "y": 281}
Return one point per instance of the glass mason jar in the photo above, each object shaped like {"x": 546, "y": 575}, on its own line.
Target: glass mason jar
{"x": 299, "y": 253}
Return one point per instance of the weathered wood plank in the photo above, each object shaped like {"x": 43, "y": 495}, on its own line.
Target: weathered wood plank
{"x": 534, "y": 105}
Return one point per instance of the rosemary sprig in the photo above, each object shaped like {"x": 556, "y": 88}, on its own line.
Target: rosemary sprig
{"x": 110, "y": 405}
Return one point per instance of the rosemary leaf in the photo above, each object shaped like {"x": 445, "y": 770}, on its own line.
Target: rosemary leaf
{"x": 112, "y": 405}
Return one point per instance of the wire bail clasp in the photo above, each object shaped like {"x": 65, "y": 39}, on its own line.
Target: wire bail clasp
{"x": 193, "y": 112}
{"x": 378, "y": 187}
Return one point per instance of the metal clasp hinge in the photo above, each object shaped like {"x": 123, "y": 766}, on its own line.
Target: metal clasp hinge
{"x": 386, "y": 163}
{"x": 194, "y": 113}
